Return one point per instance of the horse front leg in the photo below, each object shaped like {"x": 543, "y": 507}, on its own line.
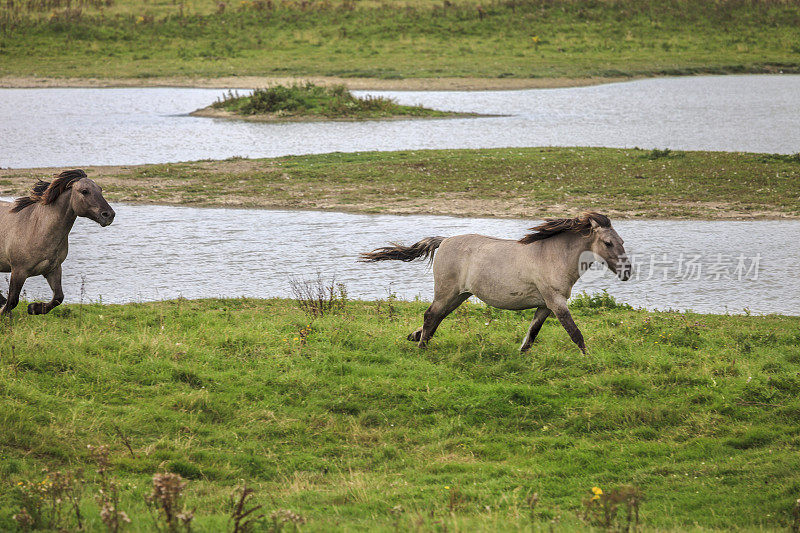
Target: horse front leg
{"x": 560, "y": 309}
{"x": 538, "y": 320}
{"x": 14, "y": 290}
{"x": 54, "y": 280}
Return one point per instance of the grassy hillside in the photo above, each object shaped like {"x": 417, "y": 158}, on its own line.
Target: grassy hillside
{"x": 520, "y": 38}
{"x": 347, "y": 425}
{"x": 517, "y": 182}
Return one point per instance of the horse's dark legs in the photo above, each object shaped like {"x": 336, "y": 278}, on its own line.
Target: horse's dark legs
{"x": 560, "y": 309}
{"x": 538, "y": 319}
{"x": 2, "y": 299}
{"x": 439, "y": 309}
{"x": 54, "y": 280}
{"x": 14, "y": 289}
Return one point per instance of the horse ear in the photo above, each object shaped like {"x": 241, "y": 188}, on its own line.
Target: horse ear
{"x": 594, "y": 223}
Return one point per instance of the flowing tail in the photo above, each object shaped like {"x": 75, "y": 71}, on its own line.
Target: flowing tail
{"x": 397, "y": 252}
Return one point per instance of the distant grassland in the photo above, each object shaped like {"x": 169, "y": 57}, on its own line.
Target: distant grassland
{"x": 513, "y": 38}
{"x": 508, "y": 182}
{"x": 344, "y": 422}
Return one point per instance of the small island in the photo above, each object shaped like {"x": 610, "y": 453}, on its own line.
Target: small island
{"x": 310, "y": 102}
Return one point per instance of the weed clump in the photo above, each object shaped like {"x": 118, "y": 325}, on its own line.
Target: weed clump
{"x": 285, "y": 518}
{"x": 598, "y": 300}
{"x": 107, "y": 496}
{"x": 655, "y": 153}
{"x": 319, "y": 296}
{"x": 603, "y": 508}
{"x": 242, "y": 517}
{"x": 53, "y": 503}
{"x": 165, "y": 502}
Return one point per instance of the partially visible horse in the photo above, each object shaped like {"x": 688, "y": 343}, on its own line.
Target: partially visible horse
{"x": 34, "y": 233}
{"x": 538, "y": 270}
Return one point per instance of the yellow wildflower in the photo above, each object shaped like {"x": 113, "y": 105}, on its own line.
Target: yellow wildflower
{"x": 597, "y": 493}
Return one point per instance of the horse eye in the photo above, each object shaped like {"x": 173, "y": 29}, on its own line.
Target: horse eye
{"x": 608, "y": 244}
{"x": 85, "y": 192}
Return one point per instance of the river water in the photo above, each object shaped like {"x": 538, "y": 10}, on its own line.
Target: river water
{"x": 154, "y": 252}
{"x": 74, "y": 127}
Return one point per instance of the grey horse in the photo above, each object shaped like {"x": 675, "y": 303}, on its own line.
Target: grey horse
{"x": 537, "y": 271}
{"x": 34, "y": 233}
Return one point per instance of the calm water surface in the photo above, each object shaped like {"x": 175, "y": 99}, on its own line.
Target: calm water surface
{"x": 72, "y": 127}
{"x": 153, "y": 253}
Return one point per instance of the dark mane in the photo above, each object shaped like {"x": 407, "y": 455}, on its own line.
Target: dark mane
{"x": 46, "y": 192}
{"x": 554, "y": 226}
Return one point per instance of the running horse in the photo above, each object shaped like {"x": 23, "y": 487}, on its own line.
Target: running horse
{"x": 537, "y": 271}
{"x": 34, "y": 233}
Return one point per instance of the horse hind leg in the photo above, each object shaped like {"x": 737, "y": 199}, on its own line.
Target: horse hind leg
{"x": 438, "y": 310}
{"x": 538, "y": 320}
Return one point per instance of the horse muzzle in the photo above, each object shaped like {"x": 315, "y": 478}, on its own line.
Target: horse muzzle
{"x": 105, "y": 217}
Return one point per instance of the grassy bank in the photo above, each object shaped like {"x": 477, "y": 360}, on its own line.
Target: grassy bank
{"x": 312, "y": 102}
{"x": 346, "y": 424}
{"x": 519, "y": 39}
{"x": 518, "y": 182}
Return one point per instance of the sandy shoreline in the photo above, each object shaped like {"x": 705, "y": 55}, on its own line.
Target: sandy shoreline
{"x": 251, "y": 82}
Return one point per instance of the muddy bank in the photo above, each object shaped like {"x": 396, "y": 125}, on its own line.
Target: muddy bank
{"x": 374, "y": 84}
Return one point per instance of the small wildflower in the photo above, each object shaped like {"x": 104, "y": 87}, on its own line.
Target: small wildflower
{"x": 447, "y": 487}
{"x": 597, "y": 493}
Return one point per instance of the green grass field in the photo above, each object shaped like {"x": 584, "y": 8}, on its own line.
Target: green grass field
{"x": 342, "y": 421}
{"x": 518, "y": 39}
{"x": 508, "y": 182}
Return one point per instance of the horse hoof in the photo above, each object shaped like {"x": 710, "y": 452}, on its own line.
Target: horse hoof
{"x": 414, "y": 336}
{"x": 36, "y": 308}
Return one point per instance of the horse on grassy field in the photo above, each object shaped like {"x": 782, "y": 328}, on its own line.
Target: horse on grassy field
{"x": 34, "y": 233}
{"x": 538, "y": 270}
